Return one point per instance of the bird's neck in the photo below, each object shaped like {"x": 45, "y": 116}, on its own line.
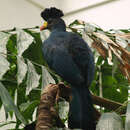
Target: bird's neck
{"x": 58, "y": 28}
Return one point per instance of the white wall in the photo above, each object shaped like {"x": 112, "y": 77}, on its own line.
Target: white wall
{"x": 21, "y": 13}
{"x": 18, "y": 13}
{"x": 113, "y": 15}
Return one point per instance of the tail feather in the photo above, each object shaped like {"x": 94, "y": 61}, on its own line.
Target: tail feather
{"x": 81, "y": 114}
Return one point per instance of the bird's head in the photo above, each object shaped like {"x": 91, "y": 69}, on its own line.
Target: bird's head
{"x": 52, "y": 17}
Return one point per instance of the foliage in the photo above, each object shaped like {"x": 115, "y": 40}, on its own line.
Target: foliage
{"x": 23, "y": 71}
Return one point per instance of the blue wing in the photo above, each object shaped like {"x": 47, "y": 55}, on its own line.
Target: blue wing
{"x": 59, "y": 60}
{"x": 70, "y": 57}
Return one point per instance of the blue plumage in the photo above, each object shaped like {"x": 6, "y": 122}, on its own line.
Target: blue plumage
{"x": 70, "y": 57}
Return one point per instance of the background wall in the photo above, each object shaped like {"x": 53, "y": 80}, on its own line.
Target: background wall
{"x": 26, "y": 13}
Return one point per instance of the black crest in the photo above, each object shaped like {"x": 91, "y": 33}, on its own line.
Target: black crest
{"x": 51, "y": 13}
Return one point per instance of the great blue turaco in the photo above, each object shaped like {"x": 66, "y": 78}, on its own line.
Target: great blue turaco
{"x": 70, "y": 57}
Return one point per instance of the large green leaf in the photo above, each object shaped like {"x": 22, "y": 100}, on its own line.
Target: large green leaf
{"x": 4, "y": 37}
{"x": 4, "y": 65}
{"x": 23, "y": 41}
{"x": 32, "y": 78}
{"x": 109, "y": 81}
{"x": 22, "y": 69}
{"x": 7, "y": 123}
{"x": 28, "y": 108}
{"x": 9, "y": 104}
{"x": 34, "y": 52}
{"x": 46, "y": 77}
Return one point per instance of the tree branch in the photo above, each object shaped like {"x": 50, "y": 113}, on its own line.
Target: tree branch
{"x": 47, "y": 115}
{"x": 109, "y": 104}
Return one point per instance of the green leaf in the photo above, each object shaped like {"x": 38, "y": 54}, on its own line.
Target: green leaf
{"x": 21, "y": 93}
{"x": 34, "y": 51}
{"x": 46, "y": 77}
{"x": 100, "y": 60}
{"x": 7, "y": 123}
{"x": 9, "y": 104}
{"x": 32, "y": 78}
{"x": 109, "y": 81}
{"x": 12, "y": 45}
{"x": 4, "y": 65}
{"x": 22, "y": 69}
{"x": 76, "y": 22}
{"x": 23, "y": 41}
{"x": 28, "y": 108}
{"x": 4, "y": 37}
{"x": 125, "y": 30}
{"x": 112, "y": 94}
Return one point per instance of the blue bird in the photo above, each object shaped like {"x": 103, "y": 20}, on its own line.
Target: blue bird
{"x": 70, "y": 57}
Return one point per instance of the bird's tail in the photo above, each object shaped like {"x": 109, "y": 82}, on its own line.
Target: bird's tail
{"x": 81, "y": 113}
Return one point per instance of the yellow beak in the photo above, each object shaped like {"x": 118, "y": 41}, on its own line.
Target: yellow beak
{"x": 44, "y": 26}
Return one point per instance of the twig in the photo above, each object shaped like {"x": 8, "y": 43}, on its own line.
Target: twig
{"x": 109, "y": 104}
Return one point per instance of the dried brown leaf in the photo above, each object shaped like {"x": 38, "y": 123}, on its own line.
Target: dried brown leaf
{"x": 125, "y": 71}
{"x": 109, "y": 56}
{"x": 125, "y": 36}
{"x": 104, "y": 37}
{"x": 106, "y": 47}
{"x": 100, "y": 48}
